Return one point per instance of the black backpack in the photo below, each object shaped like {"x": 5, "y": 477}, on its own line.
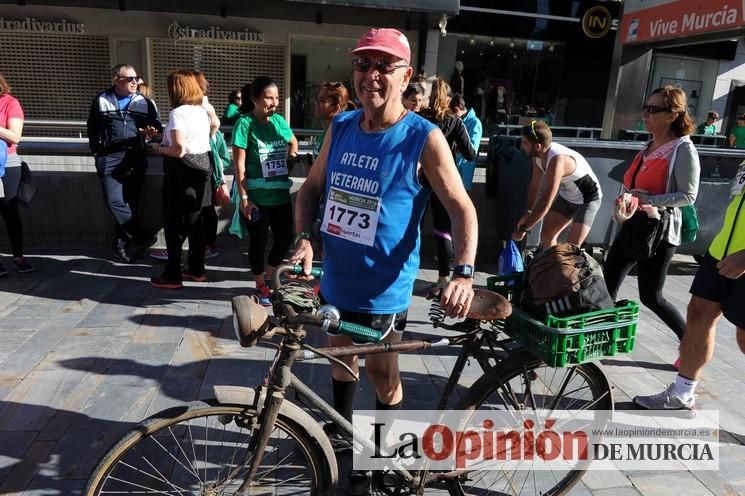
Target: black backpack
{"x": 564, "y": 280}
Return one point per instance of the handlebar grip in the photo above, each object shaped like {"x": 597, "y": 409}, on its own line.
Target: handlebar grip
{"x": 359, "y": 332}
{"x": 296, "y": 270}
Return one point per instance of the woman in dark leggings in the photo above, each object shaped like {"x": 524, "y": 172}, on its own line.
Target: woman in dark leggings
{"x": 264, "y": 150}
{"x": 186, "y": 179}
{"x": 11, "y": 127}
{"x": 665, "y": 175}
{"x": 456, "y": 134}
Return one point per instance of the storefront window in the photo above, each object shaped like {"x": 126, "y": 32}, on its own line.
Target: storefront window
{"x": 314, "y": 61}
{"x": 696, "y": 77}
{"x": 508, "y": 81}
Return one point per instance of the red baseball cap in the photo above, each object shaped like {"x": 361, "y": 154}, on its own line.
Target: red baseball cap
{"x": 385, "y": 40}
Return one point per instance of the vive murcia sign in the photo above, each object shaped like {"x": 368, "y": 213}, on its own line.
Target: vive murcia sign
{"x": 179, "y": 32}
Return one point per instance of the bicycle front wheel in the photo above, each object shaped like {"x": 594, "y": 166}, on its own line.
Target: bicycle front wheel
{"x": 541, "y": 390}
{"x": 202, "y": 449}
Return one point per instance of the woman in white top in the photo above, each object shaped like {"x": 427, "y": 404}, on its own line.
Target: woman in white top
{"x": 187, "y": 174}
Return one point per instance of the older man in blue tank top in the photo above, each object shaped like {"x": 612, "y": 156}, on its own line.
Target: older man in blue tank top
{"x": 376, "y": 170}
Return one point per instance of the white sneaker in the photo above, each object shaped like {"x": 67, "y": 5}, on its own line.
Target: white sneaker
{"x": 665, "y": 400}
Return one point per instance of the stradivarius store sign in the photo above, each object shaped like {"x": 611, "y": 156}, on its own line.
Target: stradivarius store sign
{"x": 34, "y": 25}
{"x": 179, "y": 32}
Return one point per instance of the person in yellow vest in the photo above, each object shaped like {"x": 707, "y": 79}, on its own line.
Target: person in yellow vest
{"x": 718, "y": 289}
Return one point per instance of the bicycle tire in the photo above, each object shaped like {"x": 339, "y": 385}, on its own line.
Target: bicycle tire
{"x": 225, "y": 428}
{"x": 486, "y": 393}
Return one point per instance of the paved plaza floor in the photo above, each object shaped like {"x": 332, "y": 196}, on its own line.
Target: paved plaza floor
{"x": 88, "y": 349}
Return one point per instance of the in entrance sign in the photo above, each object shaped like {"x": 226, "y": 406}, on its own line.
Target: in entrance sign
{"x": 597, "y": 21}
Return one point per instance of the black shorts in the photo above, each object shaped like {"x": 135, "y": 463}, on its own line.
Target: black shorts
{"x": 730, "y": 293}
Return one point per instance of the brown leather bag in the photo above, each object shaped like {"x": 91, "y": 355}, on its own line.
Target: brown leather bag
{"x": 564, "y": 280}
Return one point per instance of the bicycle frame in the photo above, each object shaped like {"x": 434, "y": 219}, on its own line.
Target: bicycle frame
{"x": 280, "y": 378}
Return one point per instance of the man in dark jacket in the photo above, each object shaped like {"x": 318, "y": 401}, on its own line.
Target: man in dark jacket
{"x": 119, "y": 122}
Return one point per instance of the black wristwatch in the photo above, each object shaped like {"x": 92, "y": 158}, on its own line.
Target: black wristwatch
{"x": 464, "y": 270}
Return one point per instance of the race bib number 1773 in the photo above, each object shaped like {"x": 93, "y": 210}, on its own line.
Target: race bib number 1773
{"x": 351, "y": 216}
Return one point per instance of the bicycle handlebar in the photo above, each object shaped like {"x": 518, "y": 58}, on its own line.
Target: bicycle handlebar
{"x": 328, "y": 320}
{"x": 293, "y": 269}
{"x": 357, "y": 332}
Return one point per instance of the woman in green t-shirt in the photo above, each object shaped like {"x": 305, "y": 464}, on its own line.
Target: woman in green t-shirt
{"x": 233, "y": 110}
{"x": 264, "y": 149}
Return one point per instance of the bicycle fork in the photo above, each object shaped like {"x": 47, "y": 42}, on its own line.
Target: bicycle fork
{"x": 267, "y": 417}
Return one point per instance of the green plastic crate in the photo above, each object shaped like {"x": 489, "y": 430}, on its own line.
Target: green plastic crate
{"x": 567, "y": 341}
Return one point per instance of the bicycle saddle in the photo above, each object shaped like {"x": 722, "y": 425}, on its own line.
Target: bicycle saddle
{"x": 488, "y": 305}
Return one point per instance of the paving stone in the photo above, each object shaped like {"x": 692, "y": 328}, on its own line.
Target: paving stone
{"x": 667, "y": 483}
{"x": 579, "y": 490}
{"x": 41, "y": 485}
{"x": 33, "y": 402}
{"x": 7, "y": 385}
{"x": 33, "y": 350}
{"x": 616, "y": 491}
{"x": 22, "y": 472}
{"x": 605, "y": 479}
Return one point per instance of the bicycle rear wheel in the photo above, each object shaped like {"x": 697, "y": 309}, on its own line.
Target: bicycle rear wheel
{"x": 201, "y": 450}
{"x": 541, "y": 389}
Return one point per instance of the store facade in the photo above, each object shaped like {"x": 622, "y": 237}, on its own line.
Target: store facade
{"x": 549, "y": 59}
{"x": 696, "y": 46}
{"x": 56, "y": 58}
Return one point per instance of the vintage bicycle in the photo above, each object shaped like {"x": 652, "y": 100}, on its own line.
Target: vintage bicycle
{"x": 255, "y": 441}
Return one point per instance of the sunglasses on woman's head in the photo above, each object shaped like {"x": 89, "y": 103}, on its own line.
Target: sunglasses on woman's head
{"x": 383, "y": 67}
{"x": 654, "y": 109}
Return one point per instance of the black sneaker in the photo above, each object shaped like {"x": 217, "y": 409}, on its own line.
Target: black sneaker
{"x": 339, "y": 443}
{"x": 359, "y": 483}
{"x": 140, "y": 248}
{"x": 22, "y": 265}
{"x": 120, "y": 252}
{"x": 3, "y": 271}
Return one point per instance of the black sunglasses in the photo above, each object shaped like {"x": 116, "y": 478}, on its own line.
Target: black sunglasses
{"x": 364, "y": 65}
{"x": 130, "y": 79}
{"x": 654, "y": 109}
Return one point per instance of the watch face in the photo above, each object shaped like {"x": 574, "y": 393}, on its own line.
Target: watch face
{"x": 464, "y": 270}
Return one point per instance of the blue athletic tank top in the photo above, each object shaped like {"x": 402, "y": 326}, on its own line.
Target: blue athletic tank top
{"x": 373, "y": 208}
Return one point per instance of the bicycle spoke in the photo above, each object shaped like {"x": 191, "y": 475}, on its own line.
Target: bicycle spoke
{"x": 148, "y": 489}
{"x": 159, "y": 478}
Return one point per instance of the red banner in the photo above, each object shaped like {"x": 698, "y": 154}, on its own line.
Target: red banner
{"x": 645, "y": 21}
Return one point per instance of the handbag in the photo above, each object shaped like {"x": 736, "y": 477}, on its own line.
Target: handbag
{"x": 26, "y": 187}
{"x": 689, "y": 227}
{"x": 201, "y": 162}
{"x": 641, "y": 235}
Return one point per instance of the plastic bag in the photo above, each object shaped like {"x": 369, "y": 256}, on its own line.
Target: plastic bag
{"x": 510, "y": 260}
{"x": 625, "y": 207}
